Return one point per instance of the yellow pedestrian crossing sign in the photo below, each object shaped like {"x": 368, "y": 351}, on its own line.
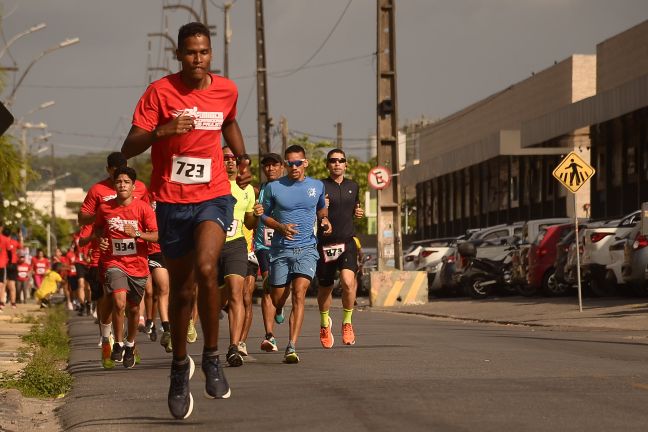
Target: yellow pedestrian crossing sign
{"x": 573, "y": 172}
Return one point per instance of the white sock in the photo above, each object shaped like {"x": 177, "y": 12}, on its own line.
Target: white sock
{"x": 129, "y": 344}
{"x": 106, "y": 329}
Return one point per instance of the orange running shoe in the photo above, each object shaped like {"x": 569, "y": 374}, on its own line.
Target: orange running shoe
{"x": 106, "y": 351}
{"x": 326, "y": 336}
{"x": 348, "y": 337}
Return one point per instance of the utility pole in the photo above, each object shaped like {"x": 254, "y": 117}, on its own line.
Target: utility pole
{"x": 389, "y": 213}
{"x": 53, "y": 222}
{"x": 338, "y": 125}
{"x": 227, "y": 37}
{"x": 283, "y": 122}
{"x": 263, "y": 120}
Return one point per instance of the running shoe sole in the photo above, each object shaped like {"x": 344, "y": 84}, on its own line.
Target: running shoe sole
{"x": 268, "y": 346}
{"x": 291, "y": 358}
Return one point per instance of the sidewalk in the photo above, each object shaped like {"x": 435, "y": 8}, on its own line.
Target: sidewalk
{"x": 19, "y": 413}
{"x": 630, "y": 314}
{"x": 14, "y": 323}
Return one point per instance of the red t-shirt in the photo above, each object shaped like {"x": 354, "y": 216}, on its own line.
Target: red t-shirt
{"x": 125, "y": 252}
{"x": 5, "y": 245}
{"x": 23, "y": 272}
{"x": 153, "y": 247}
{"x": 92, "y": 252}
{"x": 40, "y": 265}
{"x": 14, "y": 247}
{"x": 105, "y": 191}
{"x": 188, "y": 168}
{"x": 71, "y": 260}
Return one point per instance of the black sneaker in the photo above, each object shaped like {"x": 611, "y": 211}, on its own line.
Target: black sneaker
{"x": 129, "y": 357}
{"x": 180, "y": 400}
{"x": 234, "y": 357}
{"x": 216, "y": 386}
{"x": 153, "y": 334}
{"x": 88, "y": 309}
{"x": 117, "y": 353}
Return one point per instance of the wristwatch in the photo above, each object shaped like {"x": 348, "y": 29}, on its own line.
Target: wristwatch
{"x": 137, "y": 234}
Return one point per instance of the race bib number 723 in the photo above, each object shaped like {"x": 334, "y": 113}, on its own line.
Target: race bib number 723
{"x": 191, "y": 170}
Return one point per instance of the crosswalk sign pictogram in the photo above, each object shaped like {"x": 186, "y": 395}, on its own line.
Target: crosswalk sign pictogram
{"x": 573, "y": 172}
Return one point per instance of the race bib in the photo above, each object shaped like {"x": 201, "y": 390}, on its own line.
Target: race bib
{"x": 22, "y": 274}
{"x": 252, "y": 258}
{"x": 267, "y": 236}
{"x": 231, "y": 231}
{"x": 124, "y": 246}
{"x": 40, "y": 270}
{"x": 333, "y": 252}
{"x": 191, "y": 170}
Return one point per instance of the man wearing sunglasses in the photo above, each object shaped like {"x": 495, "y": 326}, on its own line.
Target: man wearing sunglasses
{"x": 234, "y": 257}
{"x": 182, "y": 117}
{"x": 292, "y": 205}
{"x": 272, "y": 165}
{"x": 338, "y": 251}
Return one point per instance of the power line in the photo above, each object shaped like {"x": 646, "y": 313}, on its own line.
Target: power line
{"x": 321, "y": 46}
{"x": 328, "y": 138}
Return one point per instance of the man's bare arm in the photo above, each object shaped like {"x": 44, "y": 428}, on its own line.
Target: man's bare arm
{"x": 139, "y": 140}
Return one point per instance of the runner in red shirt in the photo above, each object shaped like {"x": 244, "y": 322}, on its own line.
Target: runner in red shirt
{"x": 40, "y": 265}
{"x": 125, "y": 225}
{"x": 12, "y": 272}
{"x": 181, "y": 117}
{"x": 100, "y": 192}
{"x": 5, "y": 245}
{"x": 23, "y": 279}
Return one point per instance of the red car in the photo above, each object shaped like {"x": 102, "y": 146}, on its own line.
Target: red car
{"x": 542, "y": 255}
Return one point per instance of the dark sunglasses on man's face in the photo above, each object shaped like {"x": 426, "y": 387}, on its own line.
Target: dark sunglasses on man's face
{"x": 333, "y": 160}
{"x": 295, "y": 163}
{"x": 229, "y": 157}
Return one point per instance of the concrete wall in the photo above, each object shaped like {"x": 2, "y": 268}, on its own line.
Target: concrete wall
{"x": 557, "y": 86}
{"x": 622, "y": 58}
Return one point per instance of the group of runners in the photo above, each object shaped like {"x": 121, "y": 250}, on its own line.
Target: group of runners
{"x": 193, "y": 244}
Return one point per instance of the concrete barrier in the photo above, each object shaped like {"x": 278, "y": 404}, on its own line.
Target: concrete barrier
{"x": 395, "y": 288}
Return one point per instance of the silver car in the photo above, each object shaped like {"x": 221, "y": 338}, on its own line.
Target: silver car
{"x": 635, "y": 263}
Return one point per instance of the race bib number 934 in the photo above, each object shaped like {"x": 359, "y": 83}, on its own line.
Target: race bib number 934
{"x": 124, "y": 247}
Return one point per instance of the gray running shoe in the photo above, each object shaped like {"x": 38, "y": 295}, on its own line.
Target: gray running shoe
{"x": 180, "y": 399}
{"x": 216, "y": 386}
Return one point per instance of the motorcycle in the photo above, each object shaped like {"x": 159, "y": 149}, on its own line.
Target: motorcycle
{"x": 482, "y": 275}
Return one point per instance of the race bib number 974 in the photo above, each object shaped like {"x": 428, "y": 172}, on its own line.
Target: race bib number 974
{"x": 191, "y": 170}
{"x": 124, "y": 247}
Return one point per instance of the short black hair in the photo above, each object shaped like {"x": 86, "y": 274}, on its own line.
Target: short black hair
{"x": 335, "y": 150}
{"x": 116, "y": 160}
{"x": 130, "y": 172}
{"x": 57, "y": 267}
{"x": 192, "y": 29}
{"x": 295, "y": 149}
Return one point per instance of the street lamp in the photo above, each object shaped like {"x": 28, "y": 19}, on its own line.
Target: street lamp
{"x": 21, "y": 34}
{"x": 23, "y": 147}
{"x": 65, "y": 43}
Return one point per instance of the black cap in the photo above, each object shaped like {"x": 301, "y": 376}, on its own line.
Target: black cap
{"x": 271, "y": 157}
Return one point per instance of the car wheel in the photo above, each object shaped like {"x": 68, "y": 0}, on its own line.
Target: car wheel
{"x": 550, "y": 285}
{"x": 601, "y": 286}
{"x": 527, "y": 290}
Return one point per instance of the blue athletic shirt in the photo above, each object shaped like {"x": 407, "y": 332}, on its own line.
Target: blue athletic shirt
{"x": 295, "y": 202}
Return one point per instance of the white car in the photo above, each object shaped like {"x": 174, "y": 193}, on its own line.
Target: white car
{"x": 596, "y": 250}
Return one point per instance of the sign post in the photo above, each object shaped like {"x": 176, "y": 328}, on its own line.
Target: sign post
{"x": 573, "y": 172}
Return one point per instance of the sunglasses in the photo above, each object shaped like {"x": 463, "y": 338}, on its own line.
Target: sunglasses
{"x": 334, "y": 160}
{"x": 295, "y": 163}
{"x": 229, "y": 157}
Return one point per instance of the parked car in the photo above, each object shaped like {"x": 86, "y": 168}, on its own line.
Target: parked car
{"x": 520, "y": 259}
{"x": 411, "y": 255}
{"x": 635, "y": 264}
{"x": 596, "y": 251}
{"x": 431, "y": 252}
{"x": 614, "y": 271}
{"x": 558, "y": 283}
{"x": 369, "y": 264}
{"x": 542, "y": 257}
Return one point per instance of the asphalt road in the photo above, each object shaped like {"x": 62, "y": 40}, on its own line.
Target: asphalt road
{"x": 406, "y": 373}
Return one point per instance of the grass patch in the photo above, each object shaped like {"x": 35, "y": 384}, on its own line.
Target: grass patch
{"x": 46, "y": 356}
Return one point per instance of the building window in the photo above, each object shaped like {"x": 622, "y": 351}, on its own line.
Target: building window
{"x": 435, "y": 201}
{"x": 466, "y": 192}
{"x": 514, "y": 186}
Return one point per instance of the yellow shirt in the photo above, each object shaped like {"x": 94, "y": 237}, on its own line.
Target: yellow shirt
{"x": 49, "y": 285}
{"x": 248, "y": 234}
{"x": 244, "y": 204}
